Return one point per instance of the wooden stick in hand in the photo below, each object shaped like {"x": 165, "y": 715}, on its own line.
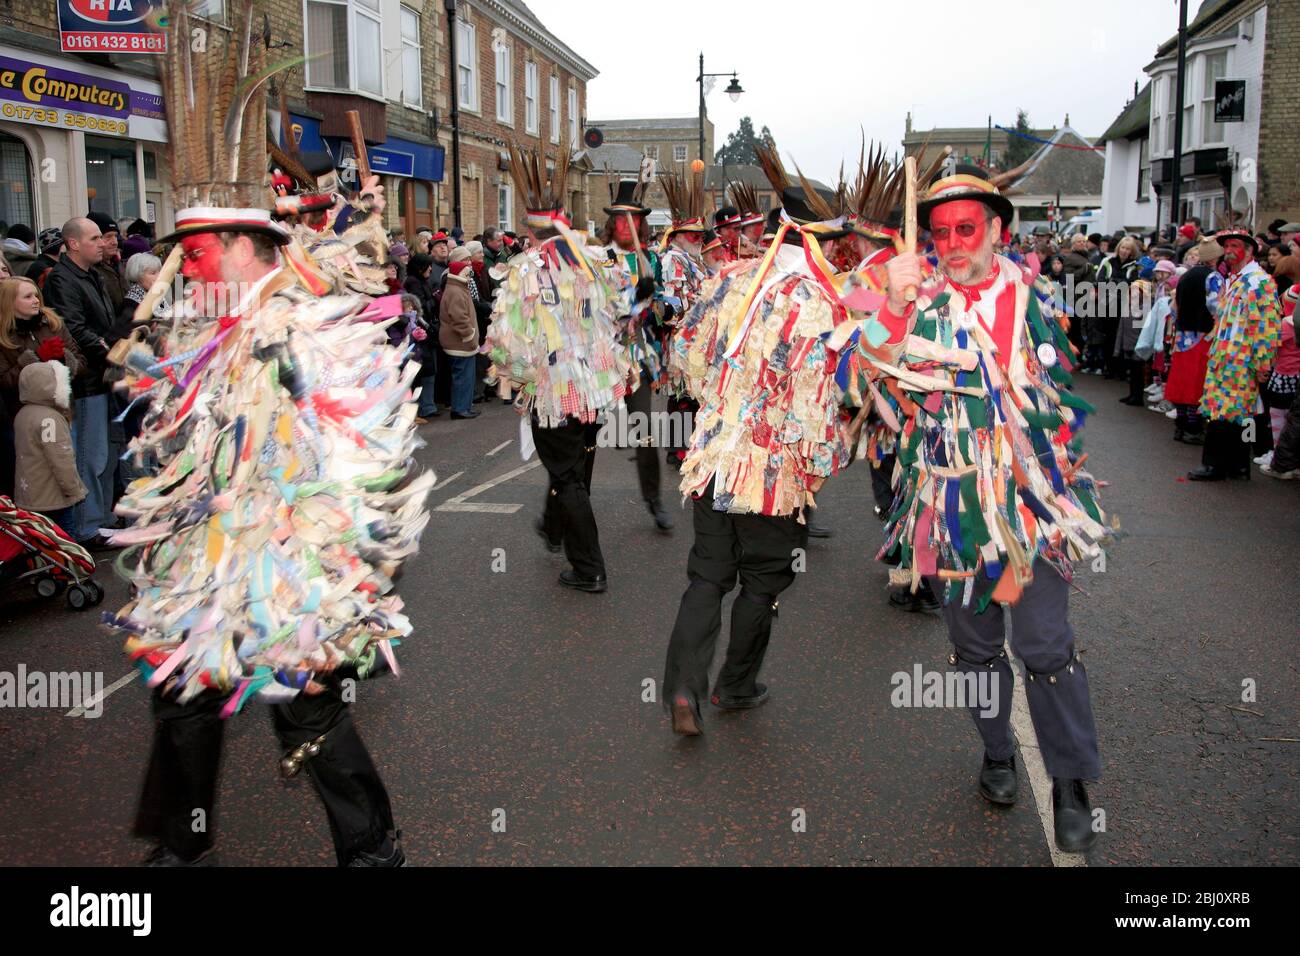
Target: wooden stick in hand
{"x": 909, "y": 218}
{"x": 144, "y": 311}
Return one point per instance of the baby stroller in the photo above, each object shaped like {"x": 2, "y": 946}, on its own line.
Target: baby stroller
{"x": 33, "y": 548}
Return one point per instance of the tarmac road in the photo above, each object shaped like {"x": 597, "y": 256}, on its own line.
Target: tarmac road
{"x": 518, "y": 732}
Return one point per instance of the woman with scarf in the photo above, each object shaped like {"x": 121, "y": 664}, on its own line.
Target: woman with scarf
{"x": 29, "y": 333}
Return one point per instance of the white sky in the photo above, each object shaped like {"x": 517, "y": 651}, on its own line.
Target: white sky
{"x": 815, "y": 70}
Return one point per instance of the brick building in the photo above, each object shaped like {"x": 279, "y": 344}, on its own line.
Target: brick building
{"x": 968, "y": 142}
{"x": 517, "y": 81}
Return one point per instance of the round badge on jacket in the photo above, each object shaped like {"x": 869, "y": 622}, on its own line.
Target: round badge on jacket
{"x": 1047, "y": 354}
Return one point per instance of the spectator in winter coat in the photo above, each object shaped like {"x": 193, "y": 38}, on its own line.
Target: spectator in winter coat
{"x": 19, "y": 248}
{"x": 46, "y": 479}
{"x": 458, "y": 334}
{"x": 109, "y": 266}
{"x": 77, "y": 294}
{"x": 417, "y": 285}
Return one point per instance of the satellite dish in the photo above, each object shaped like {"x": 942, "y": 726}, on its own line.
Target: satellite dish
{"x": 594, "y": 138}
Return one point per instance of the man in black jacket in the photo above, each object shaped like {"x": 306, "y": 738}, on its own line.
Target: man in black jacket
{"x": 75, "y": 291}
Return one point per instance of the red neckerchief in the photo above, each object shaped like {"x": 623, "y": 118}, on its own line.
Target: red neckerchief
{"x": 971, "y": 293}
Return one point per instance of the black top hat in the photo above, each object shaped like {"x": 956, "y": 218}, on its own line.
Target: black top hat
{"x": 797, "y": 208}
{"x": 968, "y": 182}
{"x": 627, "y": 200}
{"x": 726, "y": 216}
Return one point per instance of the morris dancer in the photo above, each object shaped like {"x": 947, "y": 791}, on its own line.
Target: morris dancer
{"x": 993, "y": 504}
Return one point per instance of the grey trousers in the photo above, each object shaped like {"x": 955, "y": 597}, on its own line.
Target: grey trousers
{"x": 1057, "y": 684}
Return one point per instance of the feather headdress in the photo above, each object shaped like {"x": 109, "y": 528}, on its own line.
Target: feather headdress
{"x": 770, "y": 161}
{"x": 745, "y": 198}
{"x": 216, "y": 120}
{"x": 542, "y": 184}
{"x": 685, "y": 199}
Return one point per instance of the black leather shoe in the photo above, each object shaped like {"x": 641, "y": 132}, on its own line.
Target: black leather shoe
{"x": 1206, "y": 474}
{"x": 904, "y": 600}
{"x": 686, "y": 717}
{"x": 162, "y": 856}
{"x": 1072, "y": 816}
{"x": 663, "y": 520}
{"x": 571, "y": 579}
{"x": 998, "y": 780}
{"x": 725, "y": 702}
{"x": 396, "y": 858}
{"x": 555, "y": 547}
{"x": 1130, "y": 400}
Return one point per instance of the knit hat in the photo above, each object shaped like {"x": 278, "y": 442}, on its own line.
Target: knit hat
{"x": 474, "y": 247}
{"x": 105, "y": 222}
{"x": 460, "y": 254}
{"x": 1208, "y": 249}
{"x": 1164, "y": 265}
{"x": 22, "y": 232}
{"x": 398, "y": 250}
{"x": 50, "y": 239}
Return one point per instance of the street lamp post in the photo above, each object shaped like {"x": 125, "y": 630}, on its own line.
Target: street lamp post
{"x": 733, "y": 90}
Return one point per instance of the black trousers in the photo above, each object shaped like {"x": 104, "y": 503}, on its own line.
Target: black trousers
{"x": 882, "y": 489}
{"x": 569, "y": 455}
{"x": 647, "y": 461}
{"x": 1286, "y": 457}
{"x": 1057, "y": 690}
{"x": 760, "y": 550}
{"x": 686, "y": 409}
{"x": 1137, "y": 377}
{"x": 1224, "y": 449}
{"x": 183, "y": 772}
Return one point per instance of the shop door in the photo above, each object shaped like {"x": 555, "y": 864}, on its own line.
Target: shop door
{"x": 417, "y": 206}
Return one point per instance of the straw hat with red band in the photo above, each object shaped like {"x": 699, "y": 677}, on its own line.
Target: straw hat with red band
{"x": 969, "y": 183}
{"x": 711, "y": 242}
{"x": 200, "y": 219}
{"x": 1238, "y": 232}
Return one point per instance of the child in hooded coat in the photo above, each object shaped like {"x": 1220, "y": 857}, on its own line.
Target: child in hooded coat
{"x": 45, "y": 475}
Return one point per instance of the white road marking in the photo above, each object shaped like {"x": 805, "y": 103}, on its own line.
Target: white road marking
{"x": 504, "y": 444}
{"x": 1023, "y": 727}
{"x": 446, "y": 481}
{"x": 110, "y": 689}
{"x": 461, "y": 503}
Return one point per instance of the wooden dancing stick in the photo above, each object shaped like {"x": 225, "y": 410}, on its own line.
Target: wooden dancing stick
{"x": 359, "y": 147}
{"x": 909, "y": 218}
{"x": 144, "y": 311}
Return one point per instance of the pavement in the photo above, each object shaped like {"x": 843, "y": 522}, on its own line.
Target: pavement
{"x": 526, "y": 726}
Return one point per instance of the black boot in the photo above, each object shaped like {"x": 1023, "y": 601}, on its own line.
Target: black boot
{"x": 726, "y": 702}
{"x": 998, "y": 780}
{"x": 663, "y": 520}
{"x": 1072, "y": 816}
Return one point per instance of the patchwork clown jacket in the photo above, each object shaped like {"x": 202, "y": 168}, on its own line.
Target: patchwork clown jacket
{"x": 1245, "y": 340}
{"x": 755, "y": 355}
{"x": 989, "y": 475}
{"x": 554, "y": 336}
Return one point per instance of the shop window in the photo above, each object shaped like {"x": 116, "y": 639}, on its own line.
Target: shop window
{"x": 111, "y": 177}
{"x": 16, "y": 183}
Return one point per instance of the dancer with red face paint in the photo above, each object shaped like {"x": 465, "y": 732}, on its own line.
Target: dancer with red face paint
{"x": 635, "y": 269}
{"x": 993, "y": 505}
{"x": 262, "y": 552}
{"x": 1246, "y": 336}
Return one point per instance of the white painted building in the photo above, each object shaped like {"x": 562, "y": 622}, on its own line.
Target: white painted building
{"x": 1128, "y": 202}
{"x": 1219, "y": 160}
